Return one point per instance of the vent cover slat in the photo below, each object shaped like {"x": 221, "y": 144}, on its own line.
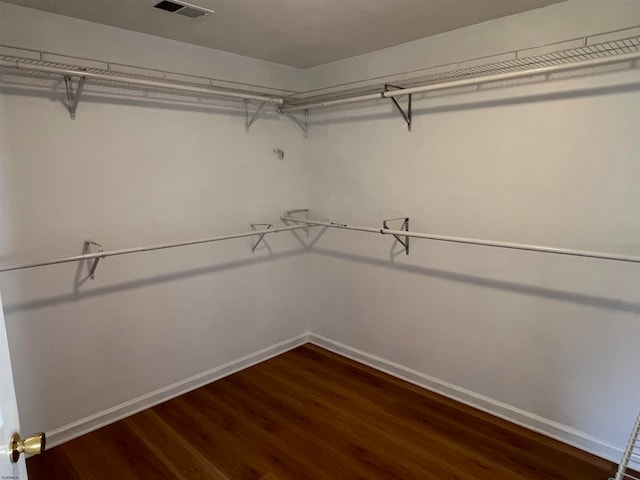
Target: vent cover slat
{"x": 191, "y": 12}
{"x": 182, "y": 8}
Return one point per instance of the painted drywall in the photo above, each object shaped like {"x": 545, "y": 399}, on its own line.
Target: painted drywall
{"x": 549, "y": 163}
{"x": 135, "y": 169}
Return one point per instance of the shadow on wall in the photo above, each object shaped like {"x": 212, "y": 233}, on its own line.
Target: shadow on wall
{"x": 565, "y": 296}
{"x": 130, "y": 97}
{"x": 466, "y": 102}
{"x": 561, "y": 295}
{"x": 106, "y": 93}
{"x": 310, "y": 245}
{"x": 144, "y": 282}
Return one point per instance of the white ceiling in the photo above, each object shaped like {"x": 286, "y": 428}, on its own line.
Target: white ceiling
{"x": 301, "y": 33}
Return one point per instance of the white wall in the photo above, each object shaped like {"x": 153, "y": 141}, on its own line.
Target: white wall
{"x": 545, "y": 340}
{"x": 130, "y": 172}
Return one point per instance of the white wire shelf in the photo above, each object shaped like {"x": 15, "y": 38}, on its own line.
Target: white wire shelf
{"x": 26, "y": 62}
{"x": 610, "y": 44}
{"x": 629, "y": 467}
{"x": 532, "y": 64}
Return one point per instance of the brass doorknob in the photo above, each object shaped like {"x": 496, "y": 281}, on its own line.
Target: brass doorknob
{"x": 32, "y": 445}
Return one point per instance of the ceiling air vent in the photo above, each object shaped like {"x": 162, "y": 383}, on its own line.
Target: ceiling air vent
{"x": 183, "y": 8}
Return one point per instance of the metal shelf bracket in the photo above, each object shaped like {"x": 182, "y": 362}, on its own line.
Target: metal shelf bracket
{"x": 404, "y": 226}
{"x": 303, "y": 124}
{"x": 88, "y": 245}
{"x": 406, "y": 116}
{"x": 264, "y": 226}
{"x": 73, "y": 97}
{"x": 253, "y": 118}
{"x": 299, "y": 211}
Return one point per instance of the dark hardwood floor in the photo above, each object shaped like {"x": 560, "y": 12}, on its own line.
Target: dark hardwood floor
{"x": 310, "y": 414}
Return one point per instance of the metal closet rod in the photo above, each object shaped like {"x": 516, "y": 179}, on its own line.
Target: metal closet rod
{"x": 135, "y": 81}
{"x": 472, "y": 241}
{"x": 125, "y": 251}
{"x": 626, "y": 57}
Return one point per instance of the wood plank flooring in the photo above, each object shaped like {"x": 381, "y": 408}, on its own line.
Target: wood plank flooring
{"x": 311, "y": 414}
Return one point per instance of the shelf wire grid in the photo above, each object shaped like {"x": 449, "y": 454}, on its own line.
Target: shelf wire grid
{"x": 625, "y": 41}
{"x": 629, "y": 468}
{"x": 521, "y": 61}
{"x": 165, "y": 80}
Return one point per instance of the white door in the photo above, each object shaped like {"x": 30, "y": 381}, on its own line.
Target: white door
{"x": 8, "y": 412}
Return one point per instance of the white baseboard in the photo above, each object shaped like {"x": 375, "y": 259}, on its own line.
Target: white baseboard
{"x": 525, "y": 419}
{"x": 126, "y": 409}
{"x": 547, "y": 427}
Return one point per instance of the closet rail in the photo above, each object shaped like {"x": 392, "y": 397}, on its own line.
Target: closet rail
{"x": 108, "y": 76}
{"x": 472, "y": 241}
{"x": 149, "y": 248}
{"x": 539, "y": 62}
{"x": 620, "y": 58}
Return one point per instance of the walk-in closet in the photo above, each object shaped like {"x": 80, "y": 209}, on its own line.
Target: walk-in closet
{"x": 289, "y": 240}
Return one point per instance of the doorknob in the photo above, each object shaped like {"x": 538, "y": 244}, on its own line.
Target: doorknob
{"x": 32, "y": 445}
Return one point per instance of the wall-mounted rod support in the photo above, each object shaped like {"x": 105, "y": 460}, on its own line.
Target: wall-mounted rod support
{"x": 298, "y": 211}
{"x": 473, "y": 241}
{"x": 304, "y": 125}
{"x": 406, "y": 116}
{"x": 87, "y": 249}
{"x": 114, "y": 78}
{"x": 73, "y": 98}
{"x": 404, "y": 227}
{"x": 126, "y": 251}
{"x": 265, "y": 227}
{"x": 622, "y": 58}
{"x": 250, "y": 121}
